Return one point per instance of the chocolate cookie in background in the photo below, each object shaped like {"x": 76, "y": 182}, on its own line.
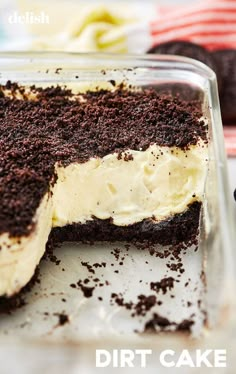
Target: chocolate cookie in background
{"x": 226, "y": 64}
{"x": 186, "y": 49}
{"x": 223, "y": 62}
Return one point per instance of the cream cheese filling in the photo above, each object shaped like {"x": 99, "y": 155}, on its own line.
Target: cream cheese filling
{"x": 20, "y": 256}
{"x": 155, "y": 183}
{"x": 159, "y": 182}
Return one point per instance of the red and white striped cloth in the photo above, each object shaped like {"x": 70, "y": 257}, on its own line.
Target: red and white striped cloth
{"x": 209, "y": 23}
{"x": 230, "y": 140}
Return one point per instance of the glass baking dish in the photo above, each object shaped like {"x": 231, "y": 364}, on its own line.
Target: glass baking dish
{"x": 209, "y": 271}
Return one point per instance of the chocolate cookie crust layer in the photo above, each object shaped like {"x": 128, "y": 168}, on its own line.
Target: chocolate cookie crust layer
{"x": 180, "y": 228}
{"x": 35, "y": 134}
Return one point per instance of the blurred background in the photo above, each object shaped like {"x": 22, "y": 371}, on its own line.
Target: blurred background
{"x": 73, "y": 25}
{"x": 80, "y": 25}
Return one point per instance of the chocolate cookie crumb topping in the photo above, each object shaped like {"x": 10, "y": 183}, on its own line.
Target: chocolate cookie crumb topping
{"x": 56, "y": 127}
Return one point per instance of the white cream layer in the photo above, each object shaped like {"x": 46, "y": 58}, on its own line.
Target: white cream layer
{"x": 158, "y": 182}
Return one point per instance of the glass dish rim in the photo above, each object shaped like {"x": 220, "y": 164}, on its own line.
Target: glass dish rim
{"x": 144, "y": 60}
{"x": 155, "y": 58}
{"x": 169, "y": 61}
